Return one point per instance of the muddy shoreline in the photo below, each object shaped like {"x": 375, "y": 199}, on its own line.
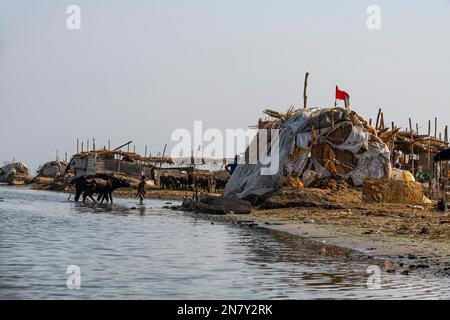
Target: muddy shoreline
{"x": 400, "y": 255}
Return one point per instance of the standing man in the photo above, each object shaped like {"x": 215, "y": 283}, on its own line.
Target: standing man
{"x": 232, "y": 166}
{"x": 141, "y": 189}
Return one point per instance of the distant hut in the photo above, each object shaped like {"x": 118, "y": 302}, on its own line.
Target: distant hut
{"x": 129, "y": 164}
{"x": 14, "y": 172}
{"x": 52, "y": 169}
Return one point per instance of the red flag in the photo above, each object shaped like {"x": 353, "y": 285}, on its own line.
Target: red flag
{"x": 341, "y": 95}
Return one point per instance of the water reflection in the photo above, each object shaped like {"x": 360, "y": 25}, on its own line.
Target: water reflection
{"x": 146, "y": 252}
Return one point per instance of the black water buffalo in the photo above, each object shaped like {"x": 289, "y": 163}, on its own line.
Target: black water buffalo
{"x": 168, "y": 182}
{"x": 220, "y": 184}
{"x": 442, "y": 156}
{"x": 102, "y": 185}
{"x": 183, "y": 183}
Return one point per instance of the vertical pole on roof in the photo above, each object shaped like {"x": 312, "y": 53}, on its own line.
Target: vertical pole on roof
{"x": 87, "y": 145}
{"x": 378, "y": 119}
{"x": 65, "y": 159}
{"x": 82, "y": 144}
{"x": 382, "y": 121}
{"x": 93, "y": 144}
{"x": 446, "y": 134}
{"x": 305, "y": 97}
{"x": 370, "y": 122}
{"x": 78, "y": 146}
{"x": 145, "y": 154}
{"x": 134, "y": 148}
{"x": 429, "y": 148}
{"x": 412, "y": 146}
{"x": 417, "y": 128}
{"x": 435, "y": 127}
{"x": 109, "y": 144}
{"x": 128, "y": 148}
{"x": 446, "y": 165}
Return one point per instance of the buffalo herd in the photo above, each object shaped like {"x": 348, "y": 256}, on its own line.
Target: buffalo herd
{"x": 102, "y": 185}
{"x": 193, "y": 181}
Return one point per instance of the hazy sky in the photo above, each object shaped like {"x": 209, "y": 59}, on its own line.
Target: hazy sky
{"x": 139, "y": 69}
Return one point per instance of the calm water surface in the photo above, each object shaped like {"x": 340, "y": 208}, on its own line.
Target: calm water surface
{"x": 154, "y": 253}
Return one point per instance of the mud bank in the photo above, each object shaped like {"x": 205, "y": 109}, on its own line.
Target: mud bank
{"x": 400, "y": 254}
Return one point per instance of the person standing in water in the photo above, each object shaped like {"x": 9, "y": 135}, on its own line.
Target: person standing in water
{"x": 141, "y": 189}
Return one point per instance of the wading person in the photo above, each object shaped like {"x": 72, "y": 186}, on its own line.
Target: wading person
{"x": 141, "y": 190}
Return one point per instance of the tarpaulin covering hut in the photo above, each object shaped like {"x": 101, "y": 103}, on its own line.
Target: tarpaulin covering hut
{"x": 52, "y": 169}
{"x": 14, "y": 170}
{"x": 314, "y": 142}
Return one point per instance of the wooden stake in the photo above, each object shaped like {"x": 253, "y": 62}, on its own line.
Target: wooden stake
{"x": 378, "y": 119}
{"x": 429, "y": 147}
{"x": 305, "y": 98}
{"x": 435, "y": 127}
{"x": 412, "y": 147}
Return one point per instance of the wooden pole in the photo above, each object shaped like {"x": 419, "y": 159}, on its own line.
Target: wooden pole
{"x": 429, "y": 148}
{"x": 382, "y": 120}
{"x": 370, "y": 122}
{"x": 378, "y": 119}
{"x": 417, "y": 128}
{"x": 412, "y": 147}
{"x": 82, "y": 143}
{"x": 305, "y": 97}
{"x": 435, "y": 127}
{"x": 446, "y": 165}
{"x": 78, "y": 146}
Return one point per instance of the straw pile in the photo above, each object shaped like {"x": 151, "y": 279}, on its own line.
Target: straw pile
{"x": 392, "y": 191}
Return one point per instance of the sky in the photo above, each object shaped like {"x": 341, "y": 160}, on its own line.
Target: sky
{"x": 138, "y": 70}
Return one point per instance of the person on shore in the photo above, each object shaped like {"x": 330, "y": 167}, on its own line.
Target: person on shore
{"x": 232, "y": 166}
{"x": 141, "y": 189}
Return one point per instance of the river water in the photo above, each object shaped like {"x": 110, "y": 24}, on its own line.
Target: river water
{"x": 126, "y": 251}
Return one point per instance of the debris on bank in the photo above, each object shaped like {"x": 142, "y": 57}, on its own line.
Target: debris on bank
{"x": 15, "y": 173}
